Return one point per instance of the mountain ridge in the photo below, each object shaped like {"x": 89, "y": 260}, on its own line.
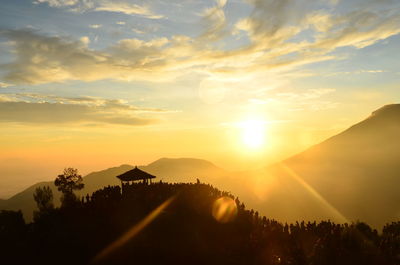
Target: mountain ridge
{"x": 98, "y": 179}
{"x": 355, "y": 171}
{"x": 350, "y": 176}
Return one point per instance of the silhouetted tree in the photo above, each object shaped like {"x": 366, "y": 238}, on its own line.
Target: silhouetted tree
{"x": 67, "y": 182}
{"x": 185, "y": 232}
{"x": 12, "y": 237}
{"x": 44, "y": 200}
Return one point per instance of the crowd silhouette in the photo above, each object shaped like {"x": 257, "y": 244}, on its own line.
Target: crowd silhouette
{"x": 184, "y": 233}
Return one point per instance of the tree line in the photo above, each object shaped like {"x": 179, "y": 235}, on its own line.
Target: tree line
{"x": 185, "y": 232}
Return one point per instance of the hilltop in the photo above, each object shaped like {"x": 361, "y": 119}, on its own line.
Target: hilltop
{"x": 165, "y": 223}
{"x": 166, "y": 169}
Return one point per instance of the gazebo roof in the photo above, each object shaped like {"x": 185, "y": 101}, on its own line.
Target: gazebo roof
{"x": 135, "y": 174}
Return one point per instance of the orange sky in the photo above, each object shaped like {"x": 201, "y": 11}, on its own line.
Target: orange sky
{"x": 243, "y": 84}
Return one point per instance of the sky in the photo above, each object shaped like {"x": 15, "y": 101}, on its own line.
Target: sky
{"x": 94, "y": 84}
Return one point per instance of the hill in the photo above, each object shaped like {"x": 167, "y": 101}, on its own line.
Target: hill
{"x": 183, "y": 169}
{"x": 354, "y": 175}
{"x": 165, "y": 223}
{"x": 166, "y": 169}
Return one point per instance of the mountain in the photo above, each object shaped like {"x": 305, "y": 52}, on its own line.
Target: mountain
{"x": 18, "y": 174}
{"x": 166, "y": 169}
{"x": 354, "y": 175}
{"x": 188, "y": 168}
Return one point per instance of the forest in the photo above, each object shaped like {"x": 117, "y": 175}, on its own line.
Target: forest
{"x": 183, "y": 231}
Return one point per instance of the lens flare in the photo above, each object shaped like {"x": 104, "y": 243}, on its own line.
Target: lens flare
{"x": 224, "y": 210}
{"x": 132, "y": 232}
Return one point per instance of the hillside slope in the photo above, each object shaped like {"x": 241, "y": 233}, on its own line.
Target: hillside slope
{"x": 356, "y": 172}
{"x": 166, "y": 169}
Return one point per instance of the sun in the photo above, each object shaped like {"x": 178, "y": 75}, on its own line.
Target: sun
{"x": 253, "y": 133}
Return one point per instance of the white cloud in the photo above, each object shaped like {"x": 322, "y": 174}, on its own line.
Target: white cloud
{"x": 138, "y": 31}
{"x": 85, "y": 40}
{"x": 58, "y": 3}
{"x": 357, "y": 72}
{"x": 95, "y": 26}
{"x": 127, "y": 8}
{"x": 121, "y": 6}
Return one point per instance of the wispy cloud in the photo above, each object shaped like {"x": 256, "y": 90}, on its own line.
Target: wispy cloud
{"x": 121, "y": 6}
{"x": 312, "y": 99}
{"x": 49, "y": 109}
{"x": 127, "y": 8}
{"x": 4, "y": 85}
{"x": 138, "y": 31}
{"x": 214, "y": 22}
{"x": 58, "y": 3}
{"x": 308, "y": 94}
{"x": 357, "y": 72}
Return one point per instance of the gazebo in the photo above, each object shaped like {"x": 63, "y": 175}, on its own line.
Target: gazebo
{"x": 135, "y": 175}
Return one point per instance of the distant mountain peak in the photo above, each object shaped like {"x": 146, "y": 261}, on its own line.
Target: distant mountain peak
{"x": 124, "y": 165}
{"x": 384, "y": 118}
{"x": 182, "y": 160}
{"x": 390, "y": 109}
{"x": 121, "y": 167}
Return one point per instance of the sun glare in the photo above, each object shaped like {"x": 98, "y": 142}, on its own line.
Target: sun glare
{"x": 253, "y": 133}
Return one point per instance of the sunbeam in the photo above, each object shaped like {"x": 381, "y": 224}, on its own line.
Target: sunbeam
{"x": 340, "y": 217}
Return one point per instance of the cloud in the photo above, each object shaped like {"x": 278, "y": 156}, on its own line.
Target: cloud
{"x": 102, "y": 5}
{"x": 280, "y": 37}
{"x": 4, "y": 85}
{"x": 138, "y": 31}
{"x": 95, "y": 26}
{"x": 274, "y": 21}
{"x": 359, "y": 29}
{"x": 115, "y": 104}
{"x": 48, "y": 109}
{"x": 85, "y": 40}
{"x": 58, "y": 3}
{"x": 7, "y": 98}
{"x": 214, "y": 21}
{"x": 49, "y": 59}
{"x": 309, "y": 94}
{"x": 127, "y": 8}
{"x": 357, "y": 72}
{"x": 313, "y": 99}
{"x": 55, "y": 113}
{"x": 305, "y": 31}
{"x": 43, "y": 59}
